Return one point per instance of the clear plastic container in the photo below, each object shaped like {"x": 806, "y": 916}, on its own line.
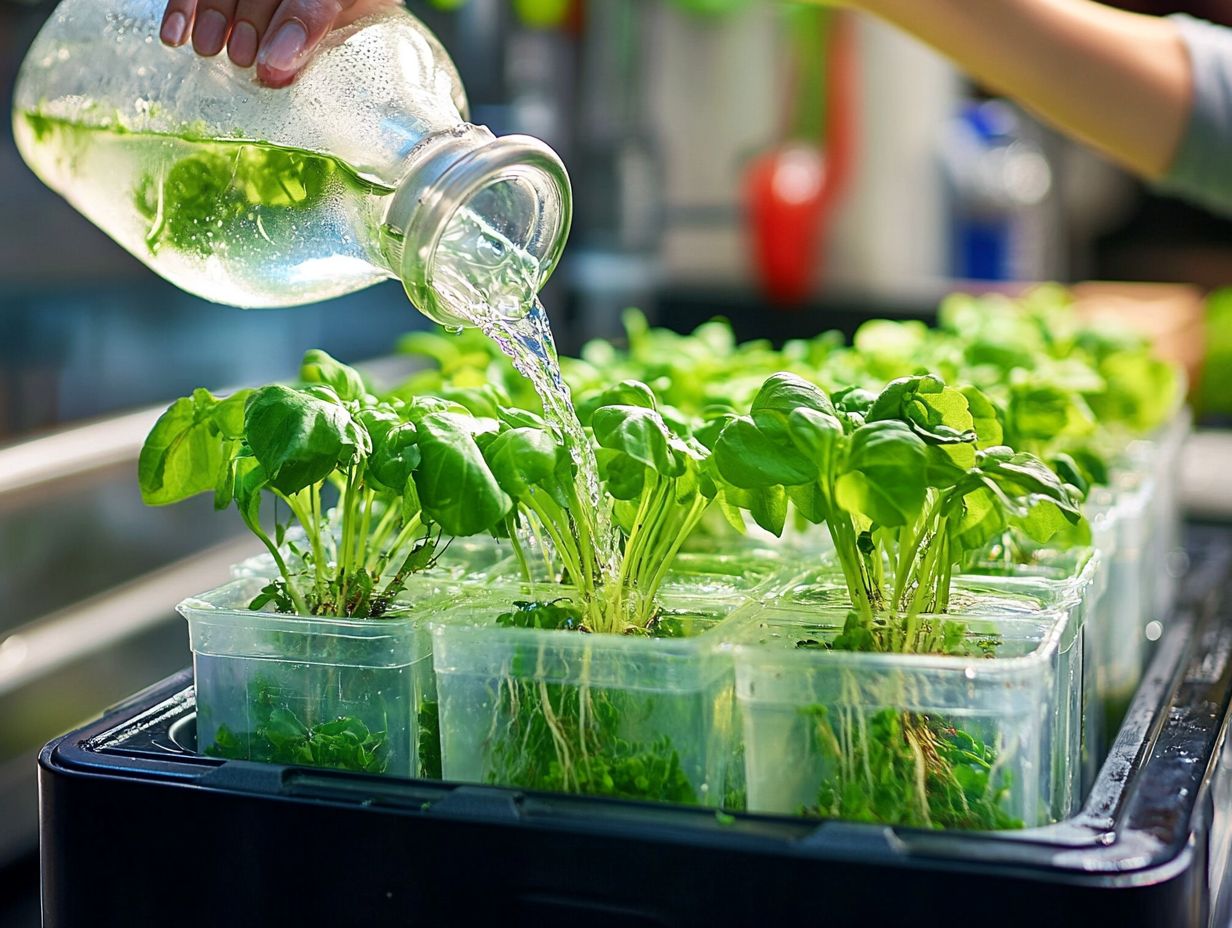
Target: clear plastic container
{"x": 312, "y": 691}
{"x": 363, "y": 169}
{"x": 1160, "y": 460}
{"x": 823, "y": 586}
{"x": 1119, "y": 626}
{"x": 1075, "y": 581}
{"x": 844, "y": 734}
{"x": 628, "y": 716}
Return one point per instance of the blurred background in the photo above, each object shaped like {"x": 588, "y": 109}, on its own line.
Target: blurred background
{"x": 746, "y": 158}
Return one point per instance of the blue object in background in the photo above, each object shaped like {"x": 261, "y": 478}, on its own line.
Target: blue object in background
{"x": 998, "y": 181}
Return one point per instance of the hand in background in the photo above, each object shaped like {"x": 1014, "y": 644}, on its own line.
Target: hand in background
{"x": 278, "y": 36}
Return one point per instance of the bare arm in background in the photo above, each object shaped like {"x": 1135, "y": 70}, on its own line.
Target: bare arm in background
{"x": 1121, "y": 82}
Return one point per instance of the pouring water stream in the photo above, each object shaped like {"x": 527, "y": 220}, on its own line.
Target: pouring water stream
{"x": 491, "y": 284}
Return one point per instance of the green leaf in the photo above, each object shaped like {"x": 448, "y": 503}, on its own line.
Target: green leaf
{"x": 810, "y": 501}
{"x": 985, "y": 418}
{"x": 731, "y": 510}
{"x": 377, "y": 421}
{"x": 748, "y": 458}
{"x": 319, "y": 367}
{"x": 716, "y": 420}
{"x": 1142, "y": 391}
{"x": 394, "y": 458}
{"x": 189, "y": 447}
{"x": 484, "y": 401}
{"x": 625, "y": 393}
{"x": 818, "y": 435}
{"x": 640, "y": 433}
{"x": 524, "y": 458}
{"x": 1045, "y": 519}
{"x": 775, "y": 446}
{"x": 249, "y": 481}
{"x": 228, "y": 415}
{"x": 224, "y": 486}
{"x": 937, "y": 413}
{"x": 1034, "y": 497}
{"x": 854, "y": 400}
{"x": 783, "y": 393}
{"x": 1041, "y": 411}
{"x": 299, "y": 438}
{"x": 981, "y": 518}
{"x": 456, "y": 487}
{"x": 1068, "y": 469}
{"x": 623, "y": 477}
{"x": 442, "y": 349}
{"x": 283, "y": 727}
{"x": 884, "y": 478}
{"x": 767, "y": 505}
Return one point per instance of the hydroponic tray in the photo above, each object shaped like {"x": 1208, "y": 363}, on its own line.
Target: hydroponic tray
{"x": 138, "y": 829}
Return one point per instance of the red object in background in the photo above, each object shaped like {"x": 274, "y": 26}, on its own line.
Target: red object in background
{"x": 791, "y": 190}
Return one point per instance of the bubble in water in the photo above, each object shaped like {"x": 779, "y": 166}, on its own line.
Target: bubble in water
{"x": 509, "y": 307}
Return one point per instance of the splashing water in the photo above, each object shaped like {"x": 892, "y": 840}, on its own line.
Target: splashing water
{"x": 493, "y": 285}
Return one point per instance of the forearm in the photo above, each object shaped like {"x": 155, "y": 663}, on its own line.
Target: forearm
{"x": 1119, "y": 81}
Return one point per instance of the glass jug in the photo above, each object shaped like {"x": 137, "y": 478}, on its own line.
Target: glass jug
{"x": 364, "y": 168}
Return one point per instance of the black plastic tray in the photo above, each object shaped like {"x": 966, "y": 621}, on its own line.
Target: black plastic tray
{"x": 138, "y": 830}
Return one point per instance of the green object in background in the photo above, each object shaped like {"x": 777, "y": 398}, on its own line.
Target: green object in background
{"x": 712, "y": 7}
{"x": 809, "y": 27}
{"x": 542, "y": 14}
{"x": 1214, "y": 396}
{"x": 538, "y": 14}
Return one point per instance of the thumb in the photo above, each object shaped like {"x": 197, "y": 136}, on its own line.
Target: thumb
{"x": 297, "y": 28}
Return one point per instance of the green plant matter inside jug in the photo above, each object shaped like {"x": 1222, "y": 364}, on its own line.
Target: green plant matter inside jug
{"x": 256, "y": 215}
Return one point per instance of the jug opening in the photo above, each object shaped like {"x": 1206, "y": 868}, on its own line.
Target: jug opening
{"x": 485, "y": 235}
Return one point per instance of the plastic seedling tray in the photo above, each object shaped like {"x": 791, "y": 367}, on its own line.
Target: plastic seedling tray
{"x": 632, "y": 716}
{"x": 133, "y": 818}
{"x": 989, "y": 740}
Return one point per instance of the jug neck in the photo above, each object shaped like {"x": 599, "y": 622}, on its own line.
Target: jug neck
{"x": 516, "y": 185}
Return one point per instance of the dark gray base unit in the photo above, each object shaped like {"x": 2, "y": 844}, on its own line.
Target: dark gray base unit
{"x": 138, "y": 830}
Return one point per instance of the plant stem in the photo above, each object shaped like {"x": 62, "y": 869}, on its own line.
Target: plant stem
{"x": 312, "y": 529}
{"x": 516, "y": 544}
{"x": 300, "y": 606}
